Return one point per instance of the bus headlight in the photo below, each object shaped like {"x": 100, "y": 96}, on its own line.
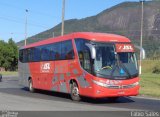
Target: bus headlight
{"x": 135, "y": 84}
{"x": 100, "y": 83}
{"x": 111, "y": 86}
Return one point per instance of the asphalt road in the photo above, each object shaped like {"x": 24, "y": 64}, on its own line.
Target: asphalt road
{"x": 16, "y": 98}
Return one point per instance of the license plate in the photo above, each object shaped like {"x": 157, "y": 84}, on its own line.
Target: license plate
{"x": 121, "y": 92}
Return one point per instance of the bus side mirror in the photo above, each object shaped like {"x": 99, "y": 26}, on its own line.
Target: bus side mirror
{"x": 92, "y": 50}
{"x": 142, "y": 51}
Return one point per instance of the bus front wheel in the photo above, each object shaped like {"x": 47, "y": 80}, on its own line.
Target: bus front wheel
{"x": 31, "y": 89}
{"x": 75, "y": 92}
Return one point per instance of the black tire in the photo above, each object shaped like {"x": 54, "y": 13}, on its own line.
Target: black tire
{"x": 74, "y": 92}
{"x": 31, "y": 89}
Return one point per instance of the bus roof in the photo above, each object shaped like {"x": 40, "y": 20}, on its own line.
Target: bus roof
{"x": 99, "y": 37}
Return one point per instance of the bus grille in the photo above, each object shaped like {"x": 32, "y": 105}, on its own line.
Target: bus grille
{"x": 127, "y": 86}
{"x": 114, "y": 87}
{"x": 121, "y": 87}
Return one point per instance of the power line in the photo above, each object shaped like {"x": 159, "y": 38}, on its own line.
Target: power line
{"x": 20, "y": 22}
{"x": 31, "y": 11}
{"x": 22, "y": 19}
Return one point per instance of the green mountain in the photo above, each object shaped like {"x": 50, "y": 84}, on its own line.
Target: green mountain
{"x": 123, "y": 19}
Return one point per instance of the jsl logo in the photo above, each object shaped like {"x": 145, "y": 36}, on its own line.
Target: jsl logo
{"x": 45, "y": 67}
{"x": 126, "y": 47}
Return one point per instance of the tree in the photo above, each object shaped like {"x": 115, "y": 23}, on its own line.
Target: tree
{"x": 14, "y": 54}
{"x": 8, "y": 55}
{"x": 2, "y": 43}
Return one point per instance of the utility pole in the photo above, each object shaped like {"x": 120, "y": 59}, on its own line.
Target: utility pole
{"x": 53, "y": 34}
{"x": 141, "y": 38}
{"x": 12, "y": 35}
{"x": 25, "y": 42}
{"x": 63, "y": 13}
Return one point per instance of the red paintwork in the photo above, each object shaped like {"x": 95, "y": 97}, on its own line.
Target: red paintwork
{"x": 100, "y": 37}
{"x": 42, "y": 78}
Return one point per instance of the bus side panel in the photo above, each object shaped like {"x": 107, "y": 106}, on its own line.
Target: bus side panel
{"x": 85, "y": 84}
{"x": 42, "y": 74}
{"x": 51, "y": 75}
{"x": 68, "y": 70}
{"x": 24, "y": 73}
{"x": 61, "y": 74}
{"x": 35, "y": 74}
{"x": 82, "y": 78}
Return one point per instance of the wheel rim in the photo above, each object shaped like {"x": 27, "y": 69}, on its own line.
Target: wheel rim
{"x": 30, "y": 85}
{"x": 75, "y": 90}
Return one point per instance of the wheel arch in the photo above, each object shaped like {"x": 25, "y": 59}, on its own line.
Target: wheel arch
{"x": 29, "y": 78}
{"x": 74, "y": 80}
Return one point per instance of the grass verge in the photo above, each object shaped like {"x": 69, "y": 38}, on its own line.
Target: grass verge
{"x": 150, "y": 85}
{"x": 9, "y": 73}
{"x": 149, "y": 82}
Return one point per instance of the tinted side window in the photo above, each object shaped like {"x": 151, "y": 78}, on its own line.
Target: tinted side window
{"x": 57, "y": 51}
{"x": 30, "y": 54}
{"x": 25, "y": 55}
{"x": 37, "y": 54}
{"x": 52, "y": 52}
{"x": 84, "y": 54}
{"x": 45, "y": 53}
{"x": 67, "y": 50}
{"x": 21, "y": 55}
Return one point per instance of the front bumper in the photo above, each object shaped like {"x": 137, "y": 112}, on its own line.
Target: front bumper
{"x": 100, "y": 93}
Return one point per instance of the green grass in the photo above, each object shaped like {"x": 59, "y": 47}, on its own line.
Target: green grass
{"x": 9, "y": 73}
{"x": 149, "y": 82}
{"x": 148, "y": 65}
{"x": 150, "y": 85}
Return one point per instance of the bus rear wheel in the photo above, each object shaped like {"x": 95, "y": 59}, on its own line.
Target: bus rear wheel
{"x": 75, "y": 92}
{"x": 31, "y": 89}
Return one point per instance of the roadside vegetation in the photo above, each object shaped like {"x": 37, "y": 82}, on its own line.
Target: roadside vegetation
{"x": 8, "y": 55}
{"x": 150, "y": 78}
{"x": 8, "y": 73}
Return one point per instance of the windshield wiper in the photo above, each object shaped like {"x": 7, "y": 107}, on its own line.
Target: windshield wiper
{"x": 120, "y": 64}
{"x": 125, "y": 69}
{"x": 104, "y": 75}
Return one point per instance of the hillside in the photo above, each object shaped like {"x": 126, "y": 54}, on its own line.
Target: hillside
{"x": 123, "y": 19}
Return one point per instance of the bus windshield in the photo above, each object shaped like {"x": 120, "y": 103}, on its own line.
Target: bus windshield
{"x": 109, "y": 63}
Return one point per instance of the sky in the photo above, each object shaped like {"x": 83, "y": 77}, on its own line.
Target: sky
{"x": 44, "y": 14}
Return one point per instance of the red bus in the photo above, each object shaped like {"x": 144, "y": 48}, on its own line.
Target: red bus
{"x": 96, "y": 65}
